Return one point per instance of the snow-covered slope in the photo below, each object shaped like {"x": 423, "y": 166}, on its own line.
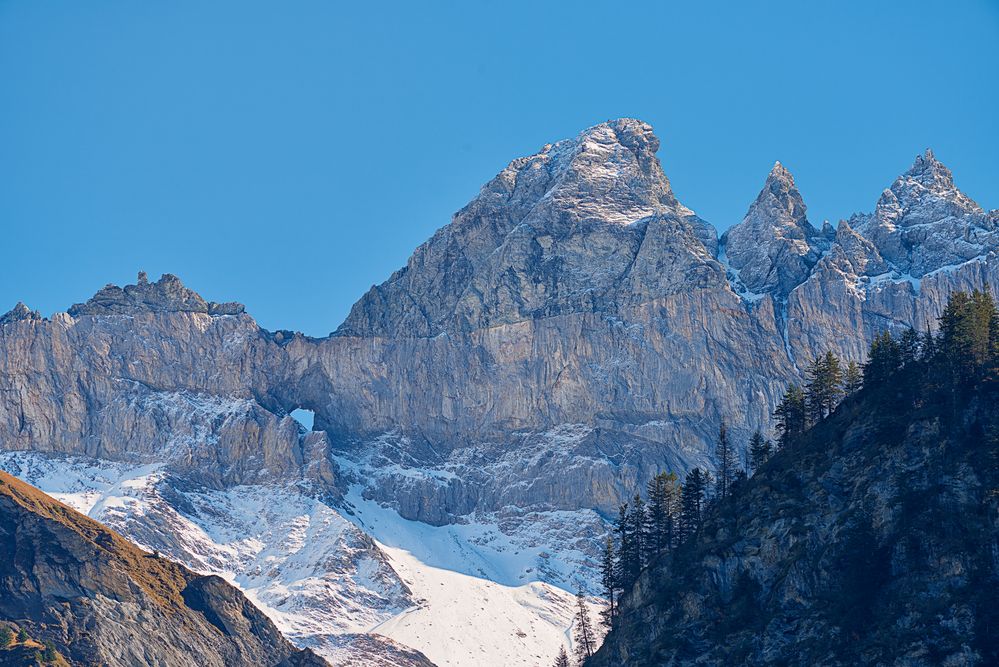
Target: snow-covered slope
{"x": 479, "y": 597}
{"x": 357, "y": 582}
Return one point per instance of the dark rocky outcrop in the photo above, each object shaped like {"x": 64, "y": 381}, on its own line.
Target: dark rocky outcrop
{"x": 871, "y": 541}
{"x": 101, "y": 600}
{"x": 19, "y": 313}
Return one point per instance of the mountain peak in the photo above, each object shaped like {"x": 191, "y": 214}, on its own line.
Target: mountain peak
{"x": 631, "y": 132}
{"x": 168, "y": 294}
{"x": 772, "y": 248}
{"x": 923, "y": 221}
{"x": 781, "y": 189}
{"x": 924, "y": 193}
{"x": 18, "y": 313}
{"x": 567, "y": 222}
{"x": 929, "y": 171}
{"x": 780, "y": 173}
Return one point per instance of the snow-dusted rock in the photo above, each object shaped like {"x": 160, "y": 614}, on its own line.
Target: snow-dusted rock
{"x": 774, "y": 247}
{"x": 574, "y": 330}
{"x": 923, "y": 222}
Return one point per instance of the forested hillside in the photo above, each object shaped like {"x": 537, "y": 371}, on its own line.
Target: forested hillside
{"x": 869, "y": 537}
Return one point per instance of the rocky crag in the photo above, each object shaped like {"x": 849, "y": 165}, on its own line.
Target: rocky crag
{"x": 573, "y": 330}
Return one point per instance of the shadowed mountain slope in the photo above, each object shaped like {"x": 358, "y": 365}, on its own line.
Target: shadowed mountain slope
{"x": 101, "y": 600}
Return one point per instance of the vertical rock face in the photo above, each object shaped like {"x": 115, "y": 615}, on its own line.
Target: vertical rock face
{"x": 774, "y": 247}
{"x": 572, "y": 331}
{"x": 574, "y": 289}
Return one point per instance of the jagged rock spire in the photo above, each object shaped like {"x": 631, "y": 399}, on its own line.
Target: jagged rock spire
{"x": 925, "y": 192}
{"x": 19, "y": 313}
{"x": 774, "y": 246}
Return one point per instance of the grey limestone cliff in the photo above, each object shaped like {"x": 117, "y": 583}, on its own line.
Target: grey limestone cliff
{"x": 575, "y": 291}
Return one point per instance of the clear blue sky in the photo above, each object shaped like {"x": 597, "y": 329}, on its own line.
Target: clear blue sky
{"x": 291, "y": 154}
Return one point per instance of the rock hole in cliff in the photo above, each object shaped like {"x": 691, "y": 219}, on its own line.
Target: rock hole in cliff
{"x": 304, "y": 417}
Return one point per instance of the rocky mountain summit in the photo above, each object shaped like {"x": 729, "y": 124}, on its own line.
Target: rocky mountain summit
{"x": 100, "y": 600}
{"x": 19, "y": 313}
{"x": 572, "y": 331}
{"x": 775, "y": 247}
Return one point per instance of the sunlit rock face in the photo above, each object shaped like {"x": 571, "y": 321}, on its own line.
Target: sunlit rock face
{"x": 774, "y": 248}
{"x": 572, "y": 331}
{"x": 575, "y": 289}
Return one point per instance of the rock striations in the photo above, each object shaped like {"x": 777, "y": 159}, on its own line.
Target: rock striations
{"x": 572, "y": 331}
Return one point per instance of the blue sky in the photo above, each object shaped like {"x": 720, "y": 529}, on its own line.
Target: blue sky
{"x": 291, "y": 154}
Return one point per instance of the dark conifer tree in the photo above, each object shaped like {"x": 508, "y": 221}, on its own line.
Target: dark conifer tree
{"x": 22, "y": 635}
{"x": 760, "y": 451}
{"x": 625, "y": 547}
{"x": 927, "y": 346}
{"x": 608, "y": 579}
{"x": 790, "y": 416}
{"x": 6, "y": 636}
{"x": 663, "y": 492}
{"x": 562, "y": 660}
{"x": 693, "y": 495}
{"x": 49, "y": 654}
{"x": 638, "y": 527}
{"x": 822, "y": 393}
{"x": 583, "y": 635}
{"x": 909, "y": 344}
{"x": 728, "y": 462}
{"x": 883, "y": 361}
{"x": 853, "y": 378}
{"x": 968, "y": 335}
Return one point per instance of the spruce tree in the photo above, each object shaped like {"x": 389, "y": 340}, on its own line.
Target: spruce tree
{"x": 853, "y": 378}
{"x": 562, "y": 660}
{"x": 813, "y": 400}
{"x": 823, "y": 391}
{"x": 628, "y": 560}
{"x": 909, "y": 344}
{"x": 832, "y": 375}
{"x": 583, "y": 635}
{"x": 728, "y": 462}
{"x": 692, "y": 501}
{"x": 760, "y": 451}
{"x": 883, "y": 360}
{"x": 6, "y": 636}
{"x": 663, "y": 494}
{"x": 22, "y": 635}
{"x": 968, "y": 337}
{"x": 633, "y": 557}
{"x": 790, "y": 415}
{"x": 608, "y": 579}
{"x": 49, "y": 654}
